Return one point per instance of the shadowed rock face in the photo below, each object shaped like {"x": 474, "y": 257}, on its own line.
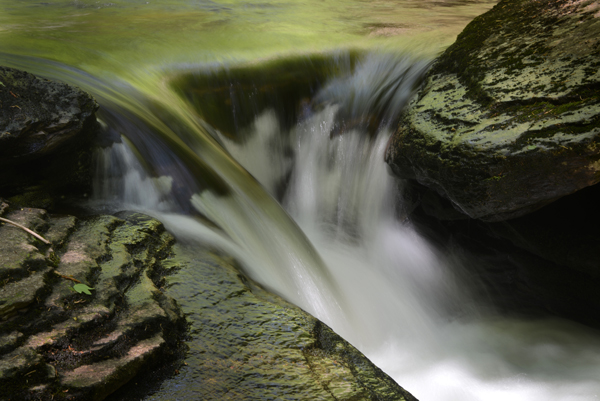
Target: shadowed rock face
{"x": 37, "y": 116}
{"x": 508, "y": 119}
{"x": 45, "y": 131}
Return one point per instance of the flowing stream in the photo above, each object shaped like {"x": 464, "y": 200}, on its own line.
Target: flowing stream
{"x": 290, "y": 180}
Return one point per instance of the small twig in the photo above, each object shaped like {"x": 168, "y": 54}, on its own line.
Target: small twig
{"x": 13, "y": 94}
{"x": 45, "y": 241}
{"x": 68, "y": 278}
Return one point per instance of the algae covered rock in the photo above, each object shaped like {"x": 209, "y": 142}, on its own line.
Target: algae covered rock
{"x": 56, "y": 340}
{"x": 244, "y": 343}
{"x": 249, "y": 344}
{"x": 508, "y": 119}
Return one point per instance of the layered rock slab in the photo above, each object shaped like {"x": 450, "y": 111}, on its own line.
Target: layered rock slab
{"x": 245, "y": 343}
{"x": 508, "y": 119}
{"x": 54, "y": 340}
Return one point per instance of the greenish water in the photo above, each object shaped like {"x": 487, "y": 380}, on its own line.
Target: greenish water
{"x": 372, "y": 280}
{"x": 128, "y": 37}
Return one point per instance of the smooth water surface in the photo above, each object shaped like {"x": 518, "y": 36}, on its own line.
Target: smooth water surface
{"x": 129, "y": 36}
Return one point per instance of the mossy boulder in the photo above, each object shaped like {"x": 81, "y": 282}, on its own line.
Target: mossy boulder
{"x": 508, "y": 119}
{"x": 46, "y": 130}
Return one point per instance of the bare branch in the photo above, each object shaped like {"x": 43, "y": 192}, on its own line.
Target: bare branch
{"x": 45, "y": 241}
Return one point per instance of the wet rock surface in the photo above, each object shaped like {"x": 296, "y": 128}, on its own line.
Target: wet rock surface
{"x": 244, "y": 343}
{"x": 508, "y": 119}
{"x": 248, "y": 344}
{"x": 45, "y": 132}
{"x": 56, "y": 343}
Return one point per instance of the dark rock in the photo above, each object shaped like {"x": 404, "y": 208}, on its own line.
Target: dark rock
{"x": 38, "y": 116}
{"x": 565, "y": 232}
{"x": 249, "y": 344}
{"x": 545, "y": 263}
{"x": 53, "y": 339}
{"x": 508, "y": 119}
{"x": 46, "y": 130}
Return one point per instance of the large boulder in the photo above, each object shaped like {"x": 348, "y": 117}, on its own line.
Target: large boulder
{"x": 45, "y": 133}
{"x": 508, "y": 119}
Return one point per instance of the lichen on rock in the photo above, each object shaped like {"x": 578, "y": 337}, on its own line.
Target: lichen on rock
{"x": 508, "y": 119}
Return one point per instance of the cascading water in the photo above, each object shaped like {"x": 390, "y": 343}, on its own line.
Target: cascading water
{"x": 387, "y": 290}
{"x": 356, "y": 263}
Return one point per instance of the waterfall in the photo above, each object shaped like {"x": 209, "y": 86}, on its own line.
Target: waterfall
{"x": 339, "y": 243}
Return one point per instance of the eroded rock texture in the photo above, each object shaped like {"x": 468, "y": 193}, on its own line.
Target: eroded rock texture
{"x": 54, "y": 340}
{"x": 244, "y": 343}
{"x": 508, "y": 119}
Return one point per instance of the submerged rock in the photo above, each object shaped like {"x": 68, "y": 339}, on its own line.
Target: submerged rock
{"x": 508, "y": 119}
{"x": 45, "y": 131}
